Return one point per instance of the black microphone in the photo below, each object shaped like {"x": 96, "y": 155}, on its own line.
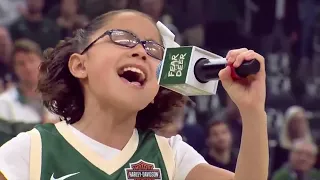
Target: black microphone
{"x": 206, "y": 70}
{"x": 192, "y": 71}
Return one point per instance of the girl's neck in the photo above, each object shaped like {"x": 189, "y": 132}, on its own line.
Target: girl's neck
{"x": 110, "y": 126}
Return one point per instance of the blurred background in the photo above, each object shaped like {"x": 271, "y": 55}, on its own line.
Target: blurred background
{"x": 286, "y": 32}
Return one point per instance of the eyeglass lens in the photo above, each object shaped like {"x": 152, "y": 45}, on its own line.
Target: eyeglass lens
{"x": 127, "y": 39}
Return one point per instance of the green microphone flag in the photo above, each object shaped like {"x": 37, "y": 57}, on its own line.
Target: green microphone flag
{"x": 177, "y": 71}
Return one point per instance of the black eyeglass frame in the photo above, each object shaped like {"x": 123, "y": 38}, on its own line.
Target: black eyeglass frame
{"x": 109, "y": 33}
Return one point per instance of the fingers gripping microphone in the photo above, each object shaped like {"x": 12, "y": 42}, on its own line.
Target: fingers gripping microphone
{"x": 192, "y": 71}
{"x": 206, "y": 70}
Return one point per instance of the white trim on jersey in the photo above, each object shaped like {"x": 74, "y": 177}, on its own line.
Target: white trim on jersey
{"x": 15, "y": 154}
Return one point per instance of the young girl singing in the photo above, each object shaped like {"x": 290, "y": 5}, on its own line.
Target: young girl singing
{"x": 103, "y": 82}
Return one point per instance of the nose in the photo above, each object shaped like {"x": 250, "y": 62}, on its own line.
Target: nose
{"x": 139, "y": 52}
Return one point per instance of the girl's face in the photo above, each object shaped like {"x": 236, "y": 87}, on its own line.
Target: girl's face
{"x": 120, "y": 76}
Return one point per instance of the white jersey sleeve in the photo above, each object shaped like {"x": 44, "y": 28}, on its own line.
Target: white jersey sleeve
{"x": 186, "y": 158}
{"x": 14, "y": 157}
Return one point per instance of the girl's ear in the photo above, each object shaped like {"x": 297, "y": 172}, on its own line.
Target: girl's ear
{"x": 77, "y": 67}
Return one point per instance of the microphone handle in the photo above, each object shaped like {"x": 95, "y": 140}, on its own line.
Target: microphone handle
{"x": 206, "y": 70}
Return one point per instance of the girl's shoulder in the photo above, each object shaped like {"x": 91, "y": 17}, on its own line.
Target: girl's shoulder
{"x": 15, "y": 154}
{"x": 185, "y": 156}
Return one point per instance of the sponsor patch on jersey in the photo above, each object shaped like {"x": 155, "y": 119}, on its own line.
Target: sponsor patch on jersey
{"x": 143, "y": 170}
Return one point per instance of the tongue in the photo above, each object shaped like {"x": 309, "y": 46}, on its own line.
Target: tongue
{"x": 135, "y": 83}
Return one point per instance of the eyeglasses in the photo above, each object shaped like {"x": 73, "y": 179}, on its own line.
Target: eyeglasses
{"x": 128, "y": 39}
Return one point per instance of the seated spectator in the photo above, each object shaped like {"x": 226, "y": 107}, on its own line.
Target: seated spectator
{"x": 94, "y": 8}
{"x": 10, "y": 11}
{"x": 69, "y": 19}
{"x": 23, "y": 103}
{"x": 219, "y": 144}
{"x": 188, "y": 17}
{"x": 301, "y": 162}
{"x": 32, "y": 25}
{"x": 232, "y": 117}
{"x": 118, "y": 4}
{"x": 194, "y": 135}
{"x": 156, "y": 9}
{"x": 295, "y": 126}
{"x": 6, "y": 75}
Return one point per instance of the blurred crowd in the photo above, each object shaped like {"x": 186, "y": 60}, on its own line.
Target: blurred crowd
{"x": 285, "y": 32}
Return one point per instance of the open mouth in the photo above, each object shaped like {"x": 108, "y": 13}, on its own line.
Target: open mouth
{"x": 133, "y": 75}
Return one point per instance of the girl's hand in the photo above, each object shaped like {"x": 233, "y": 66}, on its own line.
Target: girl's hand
{"x": 248, "y": 94}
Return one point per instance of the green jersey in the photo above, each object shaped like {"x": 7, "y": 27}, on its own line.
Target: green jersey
{"x": 57, "y": 154}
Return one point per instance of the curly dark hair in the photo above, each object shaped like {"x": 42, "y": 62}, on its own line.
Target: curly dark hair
{"x": 62, "y": 92}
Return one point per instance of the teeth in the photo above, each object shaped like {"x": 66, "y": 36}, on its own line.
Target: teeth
{"x": 134, "y": 69}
